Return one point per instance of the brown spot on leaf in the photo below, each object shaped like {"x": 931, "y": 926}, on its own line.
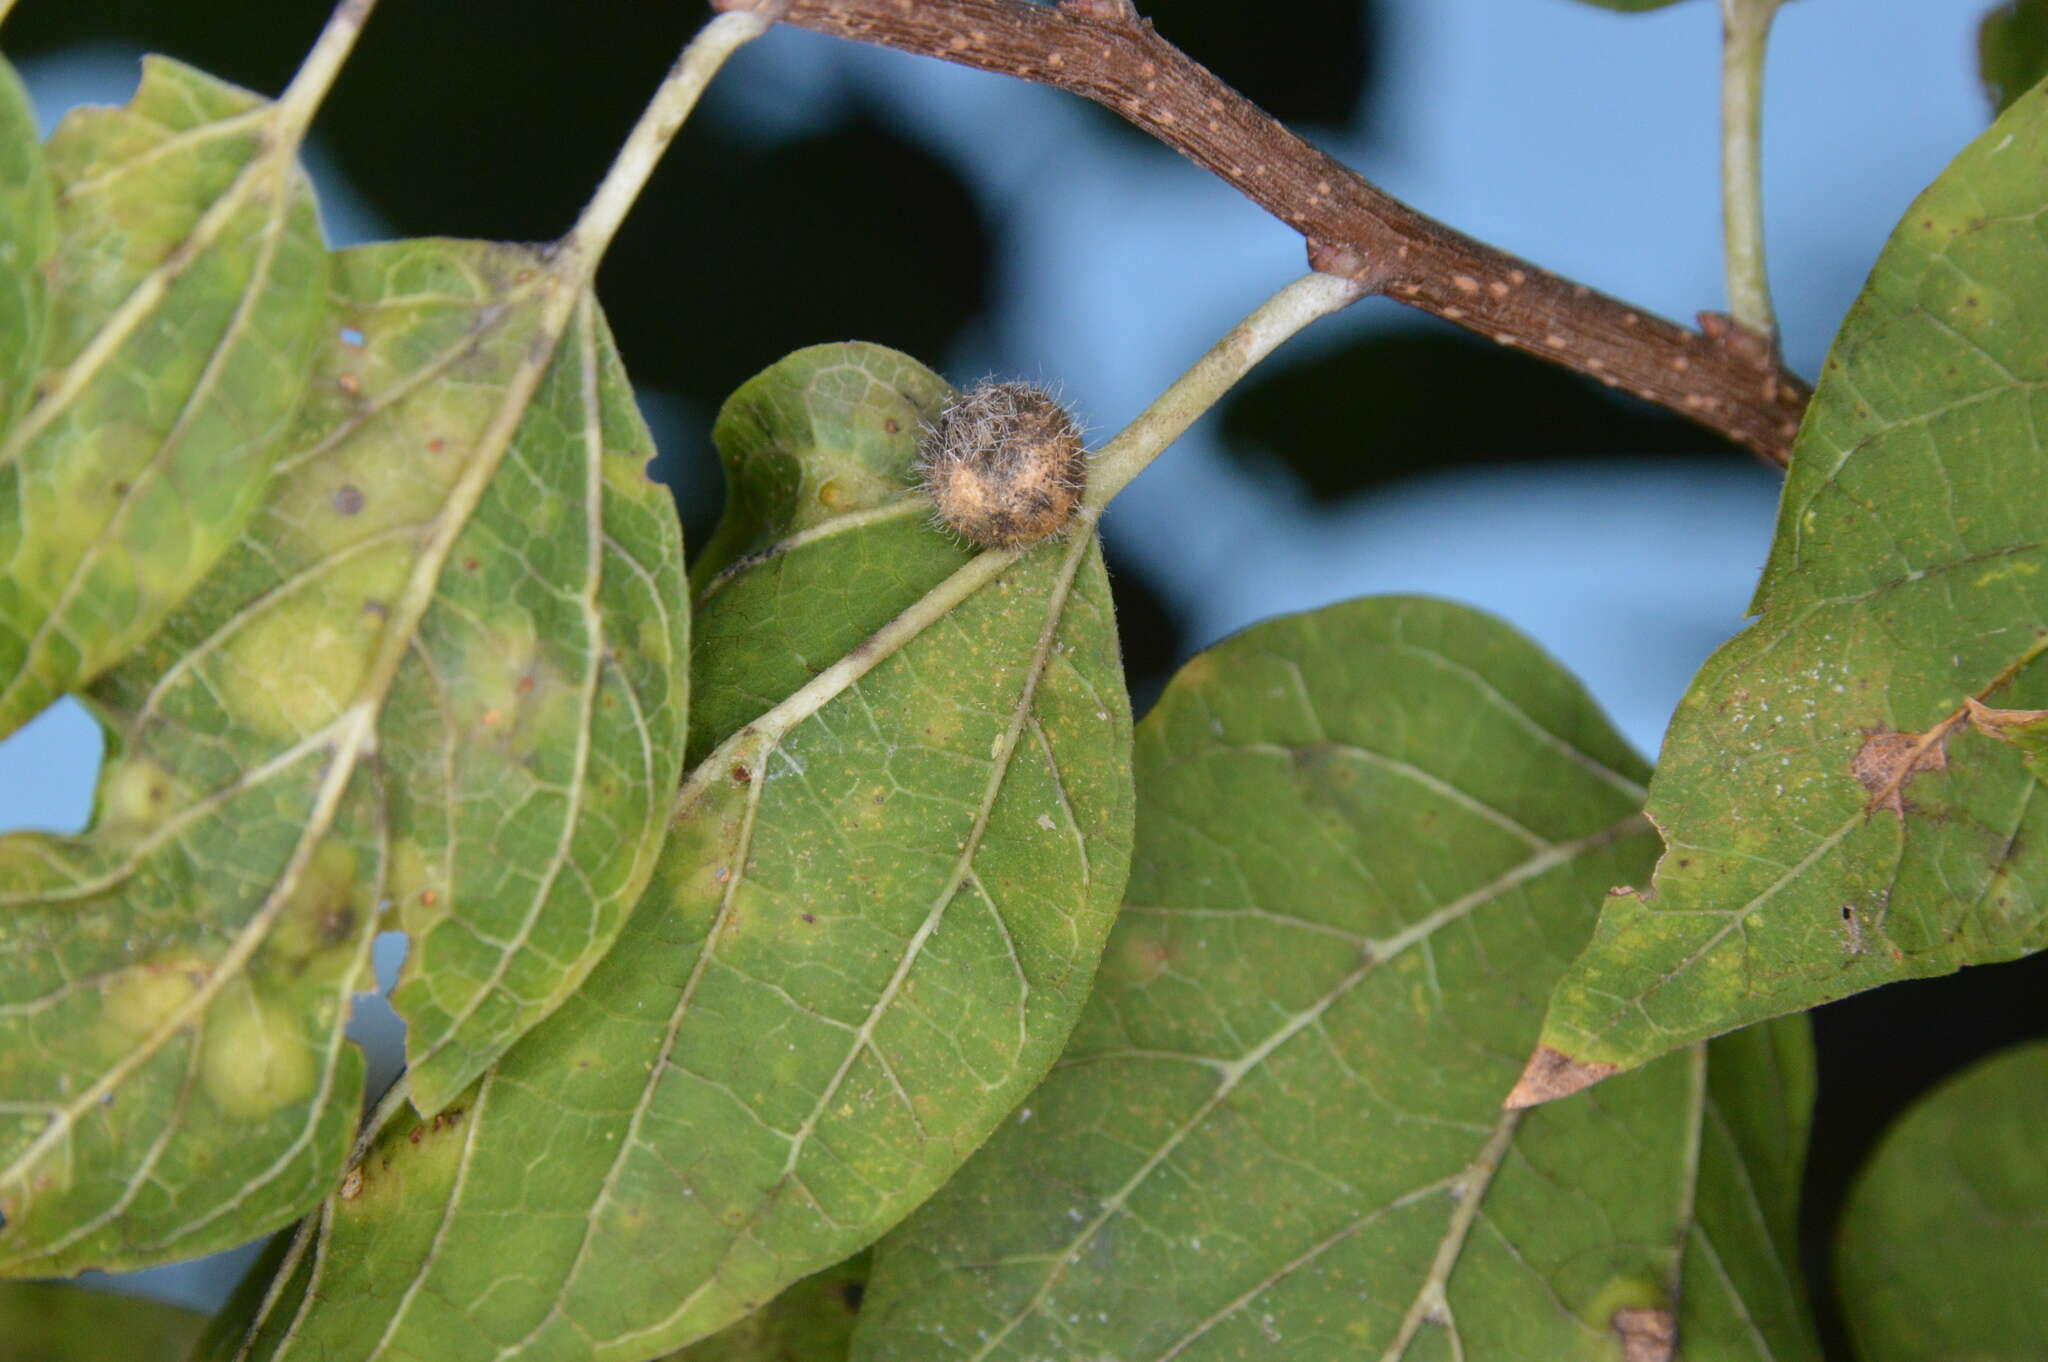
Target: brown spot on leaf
{"x": 1888, "y": 761}
{"x": 1551, "y": 1074}
{"x": 337, "y": 924}
{"x": 742, "y": 776}
{"x": 352, "y": 1184}
{"x": 1646, "y": 1334}
{"x": 346, "y": 499}
{"x": 1852, "y": 931}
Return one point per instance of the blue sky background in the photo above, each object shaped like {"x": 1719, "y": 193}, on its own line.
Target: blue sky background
{"x": 1579, "y": 138}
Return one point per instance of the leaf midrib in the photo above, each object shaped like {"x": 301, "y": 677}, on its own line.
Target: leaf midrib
{"x": 756, "y": 741}
{"x": 354, "y": 730}
{"x": 1232, "y": 1073}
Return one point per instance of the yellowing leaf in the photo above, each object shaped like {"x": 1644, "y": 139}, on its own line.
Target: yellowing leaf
{"x": 442, "y": 682}
{"x": 28, "y": 240}
{"x": 882, "y": 899}
{"x": 187, "y": 286}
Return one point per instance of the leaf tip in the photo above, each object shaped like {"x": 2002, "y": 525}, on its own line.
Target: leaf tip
{"x": 1551, "y": 1074}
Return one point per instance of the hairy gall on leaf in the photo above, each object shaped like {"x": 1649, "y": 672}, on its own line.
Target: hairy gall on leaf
{"x": 882, "y": 900}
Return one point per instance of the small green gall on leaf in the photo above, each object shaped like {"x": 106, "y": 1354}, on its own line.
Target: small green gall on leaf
{"x": 1848, "y": 792}
{"x": 1368, "y": 839}
{"x": 184, "y": 292}
{"x": 2012, "y": 50}
{"x": 137, "y": 796}
{"x": 254, "y": 1059}
{"x": 140, "y": 998}
{"x": 1946, "y": 1229}
{"x": 294, "y": 669}
{"x": 322, "y": 918}
{"x": 878, "y": 912}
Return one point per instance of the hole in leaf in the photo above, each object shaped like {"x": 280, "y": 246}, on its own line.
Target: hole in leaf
{"x": 373, "y": 1024}
{"x": 48, "y": 769}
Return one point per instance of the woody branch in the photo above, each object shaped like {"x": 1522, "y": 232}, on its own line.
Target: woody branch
{"x": 1722, "y": 376}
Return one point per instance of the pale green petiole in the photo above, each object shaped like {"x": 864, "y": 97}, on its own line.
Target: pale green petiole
{"x": 1307, "y": 299}
{"x": 1745, "y": 32}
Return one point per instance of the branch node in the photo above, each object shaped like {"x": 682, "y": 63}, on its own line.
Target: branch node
{"x": 1104, "y": 11}
{"x": 1738, "y": 340}
{"x": 1346, "y": 262}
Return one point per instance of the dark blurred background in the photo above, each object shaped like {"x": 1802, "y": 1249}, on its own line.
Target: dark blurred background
{"x": 828, "y": 192}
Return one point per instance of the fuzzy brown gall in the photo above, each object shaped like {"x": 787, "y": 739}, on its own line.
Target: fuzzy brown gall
{"x": 1004, "y": 465}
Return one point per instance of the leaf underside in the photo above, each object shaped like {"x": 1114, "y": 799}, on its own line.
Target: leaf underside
{"x": 1833, "y": 817}
{"x": 184, "y": 291}
{"x": 439, "y": 686}
{"x": 1368, "y": 840}
{"x": 1941, "y": 1248}
{"x": 872, "y": 927}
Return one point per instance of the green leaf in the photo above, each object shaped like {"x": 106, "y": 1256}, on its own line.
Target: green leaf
{"x": 1831, "y": 820}
{"x": 2012, "y": 50}
{"x": 188, "y": 284}
{"x": 875, "y": 921}
{"x": 1943, "y": 1242}
{"x": 48, "y": 1322}
{"x": 28, "y": 240}
{"x": 1369, "y": 837}
{"x": 811, "y": 1322}
{"x": 440, "y": 688}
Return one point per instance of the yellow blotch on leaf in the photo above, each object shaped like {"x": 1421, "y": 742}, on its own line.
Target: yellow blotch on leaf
{"x": 299, "y": 664}
{"x": 141, "y": 998}
{"x": 323, "y": 917}
{"x": 136, "y": 795}
{"x": 254, "y": 1059}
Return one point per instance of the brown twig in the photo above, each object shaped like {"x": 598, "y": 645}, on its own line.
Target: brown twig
{"x": 1721, "y": 376}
